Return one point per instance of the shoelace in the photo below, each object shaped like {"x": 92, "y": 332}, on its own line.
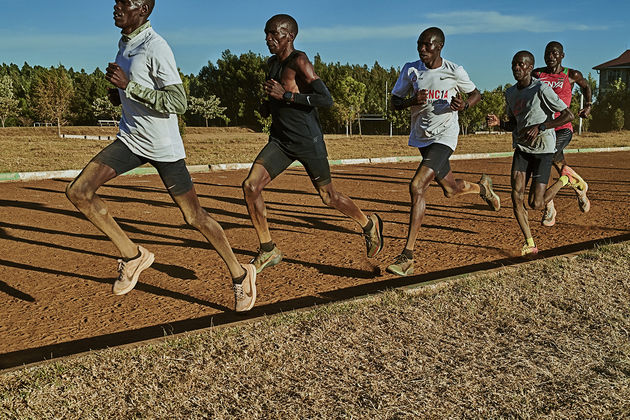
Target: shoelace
{"x": 121, "y": 268}
{"x": 238, "y": 291}
{"x": 401, "y": 259}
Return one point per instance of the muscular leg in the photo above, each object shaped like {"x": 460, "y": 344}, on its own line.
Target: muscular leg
{"x": 82, "y": 193}
{"x": 542, "y": 195}
{"x": 198, "y": 218}
{"x": 518, "y": 201}
{"x": 253, "y": 185}
{"x": 334, "y": 199}
{"x": 453, "y": 187}
{"x": 417, "y": 189}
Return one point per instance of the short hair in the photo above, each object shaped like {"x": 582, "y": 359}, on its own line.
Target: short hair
{"x": 433, "y": 31}
{"x": 527, "y": 54}
{"x": 555, "y": 44}
{"x": 291, "y": 23}
{"x": 139, "y": 3}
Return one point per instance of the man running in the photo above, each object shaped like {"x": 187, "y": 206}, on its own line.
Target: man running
{"x": 531, "y": 105}
{"x": 561, "y": 80}
{"x": 295, "y": 92}
{"x": 151, "y": 92}
{"x": 431, "y": 87}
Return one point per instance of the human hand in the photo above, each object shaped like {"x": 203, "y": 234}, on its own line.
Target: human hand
{"x": 585, "y": 112}
{"x": 457, "y": 103}
{"x": 529, "y": 134}
{"x": 273, "y": 89}
{"x": 492, "y": 120}
{"x": 116, "y": 76}
{"x": 114, "y": 96}
{"x": 422, "y": 97}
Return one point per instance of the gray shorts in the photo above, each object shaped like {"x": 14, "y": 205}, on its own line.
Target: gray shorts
{"x": 121, "y": 159}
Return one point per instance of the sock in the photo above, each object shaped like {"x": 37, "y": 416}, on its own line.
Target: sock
{"x": 564, "y": 179}
{"x": 132, "y": 258}
{"x": 267, "y": 246}
{"x": 239, "y": 280}
{"x": 408, "y": 253}
{"x": 530, "y": 242}
{"x": 368, "y": 227}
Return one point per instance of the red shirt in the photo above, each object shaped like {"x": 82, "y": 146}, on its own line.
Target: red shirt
{"x": 560, "y": 84}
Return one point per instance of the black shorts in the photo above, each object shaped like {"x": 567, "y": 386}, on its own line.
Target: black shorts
{"x": 175, "y": 175}
{"x": 536, "y": 166}
{"x": 563, "y": 138}
{"x": 436, "y": 156}
{"x": 275, "y": 161}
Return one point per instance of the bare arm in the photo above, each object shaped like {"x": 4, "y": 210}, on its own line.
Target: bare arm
{"x": 319, "y": 97}
{"x": 577, "y": 78}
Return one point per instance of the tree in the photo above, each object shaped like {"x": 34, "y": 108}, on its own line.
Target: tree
{"x": 605, "y": 110}
{"x": 350, "y": 101}
{"x": 53, "y": 93}
{"x": 8, "y": 104}
{"x": 102, "y": 107}
{"x": 208, "y": 109}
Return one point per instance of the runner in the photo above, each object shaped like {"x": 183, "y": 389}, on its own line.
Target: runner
{"x": 531, "y": 105}
{"x": 151, "y": 92}
{"x": 434, "y": 85}
{"x": 295, "y": 92}
{"x": 561, "y": 80}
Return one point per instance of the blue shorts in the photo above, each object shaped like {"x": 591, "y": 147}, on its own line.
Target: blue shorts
{"x": 121, "y": 159}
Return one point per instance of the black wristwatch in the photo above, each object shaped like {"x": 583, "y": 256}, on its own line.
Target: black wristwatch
{"x": 542, "y": 127}
{"x": 288, "y": 96}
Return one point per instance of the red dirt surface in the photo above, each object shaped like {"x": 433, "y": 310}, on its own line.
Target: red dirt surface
{"x": 57, "y": 269}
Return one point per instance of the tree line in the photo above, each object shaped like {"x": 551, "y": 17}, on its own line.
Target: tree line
{"x": 229, "y": 92}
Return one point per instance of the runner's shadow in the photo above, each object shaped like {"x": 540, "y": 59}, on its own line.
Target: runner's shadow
{"x": 20, "y": 357}
{"x": 148, "y": 288}
{"x": 11, "y": 291}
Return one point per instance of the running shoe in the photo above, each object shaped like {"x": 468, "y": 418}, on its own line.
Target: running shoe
{"x": 575, "y": 180}
{"x": 490, "y": 197}
{"x": 245, "y": 292}
{"x": 374, "y": 238}
{"x": 402, "y": 266}
{"x": 129, "y": 271}
{"x": 549, "y": 215}
{"x": 529, "y": 250}
{"x": 263, "y": 259}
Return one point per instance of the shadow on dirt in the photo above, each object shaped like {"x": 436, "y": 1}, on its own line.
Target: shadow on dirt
{"x": 34, "y": 355}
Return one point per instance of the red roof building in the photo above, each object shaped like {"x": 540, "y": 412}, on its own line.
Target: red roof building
{"x": 610, "y": 71}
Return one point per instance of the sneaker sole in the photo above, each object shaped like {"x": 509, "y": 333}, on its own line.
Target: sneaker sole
{"x": 380, "y": 236}
{"x": 136, "y": 275}
{"x": 252, "y": 285}
{"x": 269, "y": 263}
{"x": 587, "y": 206}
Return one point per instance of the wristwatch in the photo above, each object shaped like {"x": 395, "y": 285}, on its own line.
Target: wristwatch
{"x": 288, "y": 96}
{"x": 542, "y": 127}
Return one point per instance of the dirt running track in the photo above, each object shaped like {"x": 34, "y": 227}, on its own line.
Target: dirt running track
{"x": 56, "y": 269}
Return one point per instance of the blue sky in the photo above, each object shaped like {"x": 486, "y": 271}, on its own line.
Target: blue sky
{"x": 481, "y": 36}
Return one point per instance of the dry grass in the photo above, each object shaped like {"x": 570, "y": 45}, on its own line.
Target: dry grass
{"x": 39, "y": 149}
{"x": 546, "y": 340}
